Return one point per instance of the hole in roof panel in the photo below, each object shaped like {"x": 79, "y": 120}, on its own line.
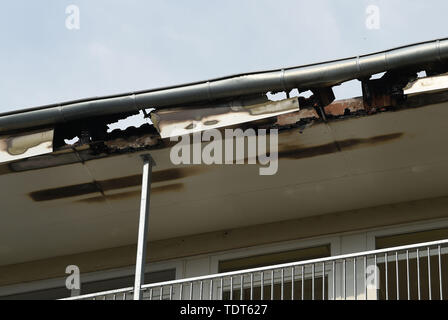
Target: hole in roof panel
{"x": 276, "y": 96}
{"x": 294, "y": 93}
{"x": 377, "y": 75}
{"x": 422, "y": 74}
{"x": 71, "y": 141}
{"x": 347, "y": 90}
{"x": 132, "y": 121}
{"x": 306, "y": 94}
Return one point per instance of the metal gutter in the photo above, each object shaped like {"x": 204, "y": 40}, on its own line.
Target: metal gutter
{"x": 303, "y": 77}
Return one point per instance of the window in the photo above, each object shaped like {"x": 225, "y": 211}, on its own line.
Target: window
{"x": 411, "y": 238}
{"x": 273, "y": 259}
{"x": 426, "y": 270}
{"x": 93, "y": 286}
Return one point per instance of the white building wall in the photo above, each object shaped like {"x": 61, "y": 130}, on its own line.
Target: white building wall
{"x": 194, "y": 266}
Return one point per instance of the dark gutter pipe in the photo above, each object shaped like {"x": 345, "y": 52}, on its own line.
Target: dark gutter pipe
{"x": 304, "y": 77}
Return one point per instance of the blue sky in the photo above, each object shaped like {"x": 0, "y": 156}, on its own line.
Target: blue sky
{"x": 138, "y": 44}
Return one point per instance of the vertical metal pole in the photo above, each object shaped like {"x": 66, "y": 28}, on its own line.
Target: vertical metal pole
{"x": 312, "y": 282}
{"x": 242, "y": 287}
{"x": 282, "y": 284}
{"x": 334, "y": 280}
{"x": 143, "y": 226}
{"x": 292, "y": 282}
{"x": 365, "y": 278}
{"x": 251, "y": 286}
{"x": 418, "y": 273}
{"x": 407, "y": 275}
{"x": 387, "y": 279}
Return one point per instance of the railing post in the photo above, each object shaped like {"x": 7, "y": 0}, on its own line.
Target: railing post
{"x": 148, "y": 163}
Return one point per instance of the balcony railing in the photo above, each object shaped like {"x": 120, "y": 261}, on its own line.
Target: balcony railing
{"x": 417, "y": 271}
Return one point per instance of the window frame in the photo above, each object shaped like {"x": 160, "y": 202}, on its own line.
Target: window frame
{"x": 53, "y": 283}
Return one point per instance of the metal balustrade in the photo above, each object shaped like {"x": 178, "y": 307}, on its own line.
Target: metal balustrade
{"x": 417, "y": 271}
